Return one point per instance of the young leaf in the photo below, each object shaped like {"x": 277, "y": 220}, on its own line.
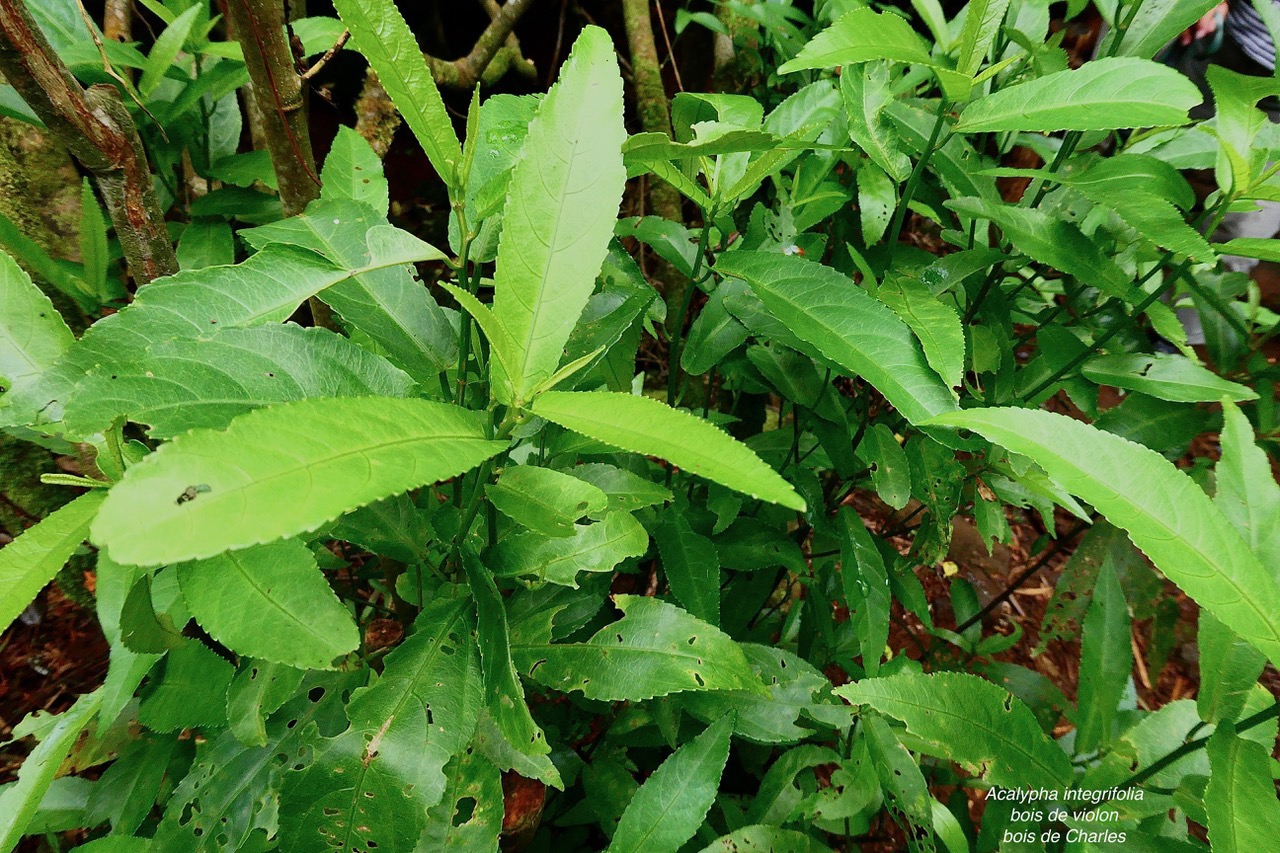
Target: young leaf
{"x": 545, "y": 501}
{"x": 270, "y": 602}
{"x": 381, "y": 34}
{"x": 861, "y": 35}
{"x": 970, "y": 721}
{"x": 561, "y": 205}
{"x": 504, "y": 694}
{"x": 1240, "y": 798}
{"x": 372, "y": 784}
{"x": 353, "y": 172}
{"x": 32, "y": 559}
{"x": 643, "y": 425}
{"x": 1165, "y": 512}
{"x": 691, "y": 565}
{"x": 653, "y": 650}
{"x": 674, "y": 801}
{"x": 32, "y": 333}
{"x": 1106, "y": 659}
{"x": 164, "y": 53}
{"x": 558, "y": 559}
{"x": 981, "y": 26}
{"x": 281, "y": 471}
{"x": 1104, "y": 94}
{"x": 838, "y": 319}
{"x": 1248, "y": 494}
{"x": 194, "y": 383}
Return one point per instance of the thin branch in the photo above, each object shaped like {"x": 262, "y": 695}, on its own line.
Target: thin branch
{"x": 328, "y": 54}
{"x": 490, "y": 57}
{"x": 96, "y": 127}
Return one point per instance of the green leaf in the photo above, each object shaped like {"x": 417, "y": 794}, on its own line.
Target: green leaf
{"x": 935, "y": 323}
{"x": 380, "y": 33}
{"x": 759, "y": 838}
{"x": 643, "y": 425}
{"x": 257, "y": 690}
{"x": 1104, "y": 94}
{"x": 674, "y": 801}
{"x": 32, "y": 333}
{"x": 847, "y": 326}
{"x": 267, "y": 288}
{"x": 394, "y": 527}
{"x": 1154, "y": 25}
{"x": 970, "y": 721}
{"x": 594, "y": 547}
{"x": 890, "y": 468}
{"x": 866, "y": 93}
{"x": 164, "y": 53}
{"x": 190, "y": 692}
{"x": 1106, "y": 659}
{"x": 372, "y": 784}
{"x": 861, "y": 35}
{"x": 1053, "y": 241}
{"x": 193, "y": 383}
{"x": 206, "y": 243}
{"x": 626, "y": 491}
{"x": 653, "y": 650}
{"x": 866, "y": 588}
{"x": 468, "y": 818}
{"x": 32, "y": 559}
{"x": 691, "y": 565}
{"x": 19, "y": 801}
{"x": 545, "y": 501}
{"x": 353, "y": 172}
{"x": 1165, "y": 512}
{"x": 905, "y": 790}
{"x": 1263, "y": 248}
{"x": 561, "y": 206}
{"x": 1240, "y": 799}
{"x": 270, "y": 602}
{"x": 981, "y": 26}
{"x": 1248, "y": 494}
{"x": 389, "y": 306}
{"x": 1229, "y": 668}
{"x": 281, "y": 471}
{"x": 93, "y": 242}
{"x": 504, "y": 694}
{"x": 1175, "y": 378}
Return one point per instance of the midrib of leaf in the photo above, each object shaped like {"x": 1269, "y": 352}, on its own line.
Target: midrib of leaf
{"x": 525, "y": 348}
{"x": 1017, "y": 745}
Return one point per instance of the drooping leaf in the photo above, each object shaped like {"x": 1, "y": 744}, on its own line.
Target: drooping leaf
{"x": 280, "y": 471}
{"x": 270, "y": 602}
{"x": 194, "y": 383}
{"x": 1240, "y": 799}
{"x": 388, "y": 305}
{"x": 1104, "y": 94}
{"x": 905, "y": 790}
{"x": 866, "y": 94}
{"x": 32, "y": 333}
{"x": 19, "y": 801}
{"x": 691, "y": 565}
{"x": 558, "y": 559}
{"x": 1165, "y": 513}
{"x": 375, "y": 781}
{"x": 866, "y": 588}
{"x": 674, "y": 801}
{"x": 653, "y": 650}
{"x": 643, "y": 425}
{"x": 504, "y": 694}
{"x": 970, "y": 721}
{"x": 353, "y": 172}
{"x": 32, "y": 559}
{"x": 861, "y": 35}
{"x": 545, "y": 501}
{"x": 380, "y": 33}
{"x": 1106, "y": 659}
{"x": 847, "y": 326}
{"x": 561, "y": 205}
{"x": 1175, "y": 378}
{"x": 1248, "y": 494}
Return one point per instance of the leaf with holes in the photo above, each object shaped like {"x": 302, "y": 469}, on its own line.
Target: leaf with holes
{"x": 970, "y": 721}
{"x": 468, "y": 818}
{"x": 281, "y": 471}
{"x": 545, "y": 501}
{"x": 653, "y": 650}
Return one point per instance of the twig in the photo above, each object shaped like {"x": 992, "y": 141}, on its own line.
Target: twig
{"x": 466, "y": 72}
{"x": 666, "y": 38}
{"x": 328, "y": 54}
{"x": 95, "y": 126}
